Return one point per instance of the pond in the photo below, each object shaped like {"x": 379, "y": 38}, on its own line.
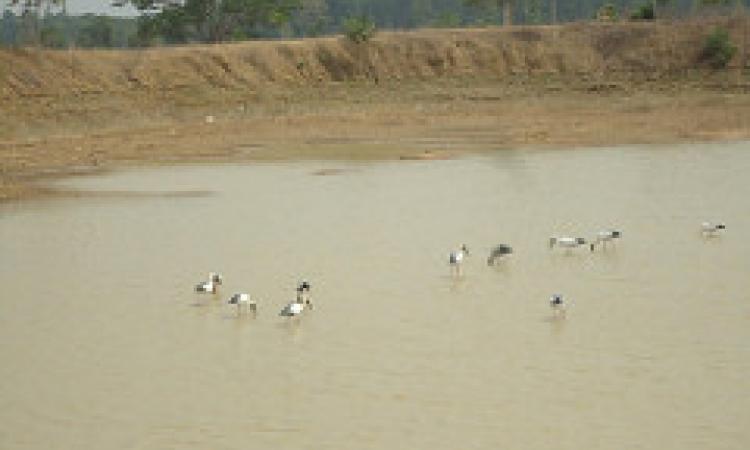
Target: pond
{"x": 104, "y": 343}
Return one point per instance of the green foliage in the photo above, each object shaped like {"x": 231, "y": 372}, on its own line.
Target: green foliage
{"x": 507, "y": 7}
{"x": 607, "y": 13}
{"x": 312, "y": 18}
{"x": 9, "y": 28}
{"x": 715, "y": 2}
{"x": 183, "y": 21}
{"x": 447, "y": 20}
{"x": 97, "y": 31}
{"x": 211, "y": 20}
{"x": 644, "y": 12}
{"x": 718, "y": 49}
{"x": 359, "y": 29}
{"x": 534, "y": 16}
{"x": 52, "y": 37}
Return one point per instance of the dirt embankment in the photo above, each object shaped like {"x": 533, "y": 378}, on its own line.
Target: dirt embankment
{"x": 591, "y": 49}
{"x": 579, "y": 84}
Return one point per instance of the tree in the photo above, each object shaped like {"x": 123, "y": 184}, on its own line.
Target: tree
{"x": 9, "y": 28}
{"x": 718, "y": 49}
{"x": 359, "y": 29}
{"x": 421, "y": 12}
{"x": 97, "y": 32}
{"x": 607, "y": 13}
{"x": 31, "y": 10}
{"x": 311, "y": 19}
{"x": 507, "y": 11}
{"x": 657, "y": 3}
{"x": 505, "y": 5}
{"x": 698, "y": 4}
{"x": 36, "y": 5}
{"x": 210, "y": 20}
{"x": 51, "y": 36}
{"x": 644, "y": 12}
{"x": 553, "y": 11}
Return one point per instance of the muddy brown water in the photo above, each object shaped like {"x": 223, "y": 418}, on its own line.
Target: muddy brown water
{"x": 104, "y": 345}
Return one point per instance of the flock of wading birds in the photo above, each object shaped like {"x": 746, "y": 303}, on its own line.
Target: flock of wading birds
{"x": 303, "y": 302}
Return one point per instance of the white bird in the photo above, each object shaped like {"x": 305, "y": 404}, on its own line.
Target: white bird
{"x": 605, "y": 236}
{"x": 709, "y": 228}
{"x": 557, "y": 304}
{"x": 455, "y": 258}
{"x": 566, "y": 241}
{"x": 243, "y": 299}
{"x": 294, "y": 308}
{"x": 498, "y": 252}
{"x": 210, "y": 286}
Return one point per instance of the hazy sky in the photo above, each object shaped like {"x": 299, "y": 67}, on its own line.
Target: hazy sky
{"x": 90, "y": 6}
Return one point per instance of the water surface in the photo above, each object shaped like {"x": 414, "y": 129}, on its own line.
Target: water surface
{"x": 104, "y": 345}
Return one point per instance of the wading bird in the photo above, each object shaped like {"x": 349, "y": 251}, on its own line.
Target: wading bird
{"x": 243, "y": 300}
{"x": 566, "y": 242}
{"x": 498, "y": 252}
{"x": 302, "y": 302}
{"x": 455, "y": 258}
{"x": 210, "y": 286}
{"x": 303, "y": 292}
{"x": 710, "y": 229}
{"x": 557, "y": 304}
{"x": 294, "y": 308}
{"x": 605, "y": 236}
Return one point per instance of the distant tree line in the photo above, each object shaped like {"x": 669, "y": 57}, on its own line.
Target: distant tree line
{"x": 62, "y": 31}
{"x": 47, "y": 23}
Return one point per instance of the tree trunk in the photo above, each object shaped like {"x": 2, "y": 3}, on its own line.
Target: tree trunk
{"x": 507, "y": 13}
{"x": 31, "y": 29}
{"x": 553, "y": 11}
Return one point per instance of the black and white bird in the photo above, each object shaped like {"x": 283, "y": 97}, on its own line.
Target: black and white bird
{"x": 210, "y": 286}
{"x": 711, "y": 228}
{"x": 243, "y": 300}
{"x": 566, "y": 242}
{"x": 605, "y": 236}
{"x": 292, "y": 309}
{"x": 498, "y": 252}
{"x": 299, "y": 304}
{"x": 303, "y": 293}
{"x": 303, "y": 286}
{"x": 455, "y": 258}
{"x": 557, "y": 303}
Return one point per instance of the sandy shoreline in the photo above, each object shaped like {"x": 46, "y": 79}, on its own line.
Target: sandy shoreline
{"x": 362, "y": 121}
{"x": 404, "y": 95}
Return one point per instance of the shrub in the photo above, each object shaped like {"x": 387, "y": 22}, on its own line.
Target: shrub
{"x": 359, "y": 29}
{"x": 447, "y": 20}
{"x": 52, "y": 37}
{"x": 644, "y": 12}
{"x": 607, "y": 13}
{"x": 718, "y": 49}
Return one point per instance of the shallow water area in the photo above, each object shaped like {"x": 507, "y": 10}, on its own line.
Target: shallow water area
{"x": 105, "y": 345}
